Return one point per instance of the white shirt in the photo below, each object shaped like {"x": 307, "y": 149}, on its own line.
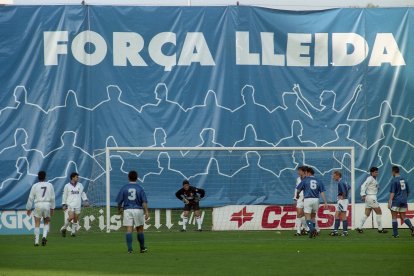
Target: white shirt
{"x": 73, "y": 195}
{"x": 369, "y": 187}
{"x": 298, "y": 180}
{"x": 41, "y": 192}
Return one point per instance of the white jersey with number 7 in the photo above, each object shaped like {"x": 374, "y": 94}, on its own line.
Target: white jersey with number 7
{"x": 41, "y": 192}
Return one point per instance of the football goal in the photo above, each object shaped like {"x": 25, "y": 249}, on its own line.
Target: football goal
{"x": 229, "y": 175}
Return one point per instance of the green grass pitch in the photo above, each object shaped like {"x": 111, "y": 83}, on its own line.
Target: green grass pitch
{"x": 210, "y": 253}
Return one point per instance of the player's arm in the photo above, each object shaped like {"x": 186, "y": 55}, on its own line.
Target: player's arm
{"x": 120, "y": 200}
{"x": 180, "y": 195}
{"x": 65, "y": 197}
{"x": 298, "y": 189}
{"x": 390, "y": 200}
{"x": 145, "y": 206}
{"x": 324, "y": 200}
{"x": 52, "y": 199}
{"x": 84, "y": 198}
{"x": 364, "y": 188}
{"x": 201, "y": 192}
{"x": 29, "y": 203}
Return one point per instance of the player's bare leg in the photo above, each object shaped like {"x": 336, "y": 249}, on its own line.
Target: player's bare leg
{"x": 185, "y": 220}
{"x": 198, "y": 219}
{"x": 378, "y": 213}
{"x": 36, "y": 231}
{"x": 141, "y": 240}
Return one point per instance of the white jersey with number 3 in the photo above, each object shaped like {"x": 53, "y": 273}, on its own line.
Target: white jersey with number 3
{"x": 73, "y": 195}
{"x": 41, "y": 192}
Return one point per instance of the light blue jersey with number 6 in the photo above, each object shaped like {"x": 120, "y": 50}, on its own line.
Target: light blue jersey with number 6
{"x": 311, "y": 187}
{"x": 131, "y": 196}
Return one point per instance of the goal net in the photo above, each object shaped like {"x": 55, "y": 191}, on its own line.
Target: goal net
{"x": 230, "y": 176}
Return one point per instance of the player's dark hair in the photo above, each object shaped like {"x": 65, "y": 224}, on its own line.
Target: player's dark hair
{"x": 185, "y": 181}
{"x": 72, "y": 175}
{"x": 302, "y": 168}
{"x": 338, "y": 173}
{"x": 373, "y": 169}
{"x": 41, "y": 175}
{"x": 133, "y": 176}
{"x": 395, "y": 169}
{"x": 310, "y": 170}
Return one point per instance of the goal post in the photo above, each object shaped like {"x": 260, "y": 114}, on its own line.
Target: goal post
{"x": 230, "y": 175}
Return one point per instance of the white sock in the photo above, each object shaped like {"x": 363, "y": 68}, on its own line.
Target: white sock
{"x": 298, "y": 224}
{"x": 185, "y": 220}
{"x": 74, "y": 228}
{"x": 379, "y": 222}
{"x": 364, "y": 218}
{"x": 45, "y": 230}
{"x": 198, "y": 219}
{"x": 36, "y": 232}
{"x": 304, "y": 224}
{"x": 65, "y": 225}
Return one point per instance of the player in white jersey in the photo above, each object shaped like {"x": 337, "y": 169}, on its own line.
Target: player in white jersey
{"x": 73, "y": 194}
{"x": 369, "y": 190}
{"x": 300, "y": 222}
{"x": 43, "y": 196}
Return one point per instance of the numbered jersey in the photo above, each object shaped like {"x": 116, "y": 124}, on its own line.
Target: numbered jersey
{"x": 311, "y": 187}
{"x": 41, "y": 192}
{"x": 399, "y": 187}
{"x": 131, "y": 196}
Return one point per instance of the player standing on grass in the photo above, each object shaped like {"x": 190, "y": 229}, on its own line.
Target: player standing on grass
{"x": 190, "y": 196}
{"x": 369, "y": 190}
{"x": 342, "y": 204}
{"x": 43, "y": 196}
{"x": 397, "y": 203}
{"x": 73, "y": 194}
{"x": 132, "y": 202}
{"x": 300, "y": 215}
{"x": 311, "y": 187}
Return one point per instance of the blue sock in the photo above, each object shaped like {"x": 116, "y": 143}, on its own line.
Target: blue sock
{"x": 310, "y": 225}
{"x": 129, "y": 241}
{"x": 345, "y": 225}
{"x": 394, "y": 227}
{"x": 336, "y": 226}
{"x": 408, "y": 222}
{"x": 140, "y": 237}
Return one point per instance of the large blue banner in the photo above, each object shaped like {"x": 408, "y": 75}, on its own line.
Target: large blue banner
{"x": 75, "y": 79}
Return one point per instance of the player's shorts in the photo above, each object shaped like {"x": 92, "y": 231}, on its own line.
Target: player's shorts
{"x": 311, "y": 205}
{"x": 399, "y": 209}
{"x": 299, "y": 204}
{"x": 133, "y": 217}
{"x": 342, "y": 205}
{"x": 42, "y": 210}
{"x": 371, "y": 202}
{"x": 192, "y": 205}
{"x": 74, "y": 210}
